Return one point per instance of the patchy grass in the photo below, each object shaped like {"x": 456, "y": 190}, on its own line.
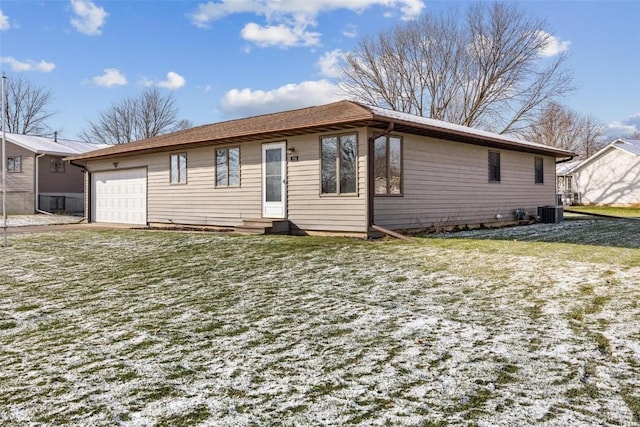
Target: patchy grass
{"x": 493, "y": 327}
{"x": 628, "y": 212}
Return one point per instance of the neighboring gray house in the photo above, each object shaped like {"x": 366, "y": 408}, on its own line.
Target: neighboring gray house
{"x": 39, "y": 179}
{"x": 609, "y": 177}
{"x": 342, "y": 167}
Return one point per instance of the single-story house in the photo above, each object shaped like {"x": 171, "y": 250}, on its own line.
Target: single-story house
{"x": 610, "y": 177}
{"x": 341, "y": 167}
{"x": 38, "y": 179}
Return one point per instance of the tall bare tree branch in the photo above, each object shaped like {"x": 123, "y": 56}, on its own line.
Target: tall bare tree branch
{"x": 561, "y": 127}
{"x": 481, "y": 69}
{"x": 136, "y": 118}
{"x": 26, "y": 106}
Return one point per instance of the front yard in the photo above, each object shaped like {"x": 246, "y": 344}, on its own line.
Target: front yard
{"x": 493, "y": 328}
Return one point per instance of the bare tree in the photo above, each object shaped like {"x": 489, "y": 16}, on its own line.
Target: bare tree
{"x": 135, "y": 118}
{"x": 26, "y": 107}
{"x": 561, "y": 127}
{"x": 485, "y": 69}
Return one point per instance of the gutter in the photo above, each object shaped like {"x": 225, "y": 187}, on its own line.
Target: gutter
{"x": 564, "y": 160}
{"x": 38, "y": 157}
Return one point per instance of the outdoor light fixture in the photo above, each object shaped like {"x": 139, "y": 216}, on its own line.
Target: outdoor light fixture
{"x": 291, "y": 150}
{"x": 115, "y": 164}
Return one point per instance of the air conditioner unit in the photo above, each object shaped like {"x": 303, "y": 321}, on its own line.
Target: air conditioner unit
{"x": 551, "y": 214}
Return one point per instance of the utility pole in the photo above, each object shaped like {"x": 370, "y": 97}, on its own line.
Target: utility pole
{"x": 4, "y": 164}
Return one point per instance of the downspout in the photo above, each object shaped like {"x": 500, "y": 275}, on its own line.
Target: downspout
{"x": 371, "y": 190}
{"x": 38, "y": 157}
{"x": 87, "y": 186}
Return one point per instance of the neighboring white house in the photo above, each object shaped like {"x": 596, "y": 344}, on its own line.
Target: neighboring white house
{"x": 609, "y": 177}
{"x": 39, "y": 179}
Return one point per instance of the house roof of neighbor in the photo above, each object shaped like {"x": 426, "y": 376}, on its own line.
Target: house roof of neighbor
{"x": 631, "y": 146}
{"x": 51, "y": 146}
{"x": 566, "y": 168}
{"x": 332, "y": 117}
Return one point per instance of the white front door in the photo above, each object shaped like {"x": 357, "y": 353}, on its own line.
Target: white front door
{"x": 274, "y": 180}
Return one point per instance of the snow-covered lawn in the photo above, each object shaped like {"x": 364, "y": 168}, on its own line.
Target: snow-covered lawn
{"x": 140, "y": 328}
{"x": 40, "y": 219}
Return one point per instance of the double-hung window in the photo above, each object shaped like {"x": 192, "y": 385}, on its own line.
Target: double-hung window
{"x": 227, "y": 167}
{"x": 539, "y": 170}
{"x": 494, "y": 166}
{"x": 339, "y": 164}
{"x": 14, "y": 164}
{"x": 388, "y": 165}
{"x": 178, "y": 168}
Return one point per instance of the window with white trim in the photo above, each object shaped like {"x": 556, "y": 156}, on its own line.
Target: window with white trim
{"x": 228, "y": 167}
{"x": 178, "y": 168}
{"x": 338, "y": 156}
{"x": 14, "y": 164}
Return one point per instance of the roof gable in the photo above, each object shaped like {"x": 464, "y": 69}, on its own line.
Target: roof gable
{"x": 324, "y": 118}
{"x": 631, "y": 146}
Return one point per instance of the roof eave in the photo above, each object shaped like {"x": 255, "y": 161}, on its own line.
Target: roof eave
{"x": 470, "y": 138}
{"x": 240, "y": 137}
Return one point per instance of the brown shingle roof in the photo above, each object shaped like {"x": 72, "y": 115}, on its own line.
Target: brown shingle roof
{"x": 325, "y": 118}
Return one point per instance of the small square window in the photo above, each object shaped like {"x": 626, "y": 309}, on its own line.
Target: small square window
{"x": 494, "y": 166}
{"x": 14, "y": 164}
{"x": 56, "y": 165}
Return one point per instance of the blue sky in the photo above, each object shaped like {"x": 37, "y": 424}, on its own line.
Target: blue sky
{"x": 235, "y": 58}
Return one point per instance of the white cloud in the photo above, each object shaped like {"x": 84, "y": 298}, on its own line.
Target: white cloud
{"x": 623, "y": 128}
{"x": 174, "y": 81}
{"x": 88, "y": 18}
{"x": 351, "y": 31}
{"x": 247, "y": 102}
{"x": 554, "y": 46}
{"x": 288, "y": 20}
{"x": 111, "y": 77}
{"x": 329, "y": 63}
{"x": 279, "y": 35}
{"x": 4, "y": 22}
{"x": 27, "y": 65}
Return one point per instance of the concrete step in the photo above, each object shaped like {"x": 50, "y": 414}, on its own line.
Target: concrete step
{"x": 263, "y": 226}
{"x": 246, "y": 229}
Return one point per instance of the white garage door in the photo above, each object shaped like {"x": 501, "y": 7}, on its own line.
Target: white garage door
{"x": 119, "y": 196}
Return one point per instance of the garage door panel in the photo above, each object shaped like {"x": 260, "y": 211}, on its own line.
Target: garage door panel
{"x": 120, "y": 196}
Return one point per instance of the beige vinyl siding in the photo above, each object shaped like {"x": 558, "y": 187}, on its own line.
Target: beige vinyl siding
{"x": 447, "y": 183}
{"x": 21, "y": 181}
{"x": 199, "y": 201}
{"x": 20, "y": 185}
{"x": 307, "y": 208}
{"x": 613, "y": 178}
